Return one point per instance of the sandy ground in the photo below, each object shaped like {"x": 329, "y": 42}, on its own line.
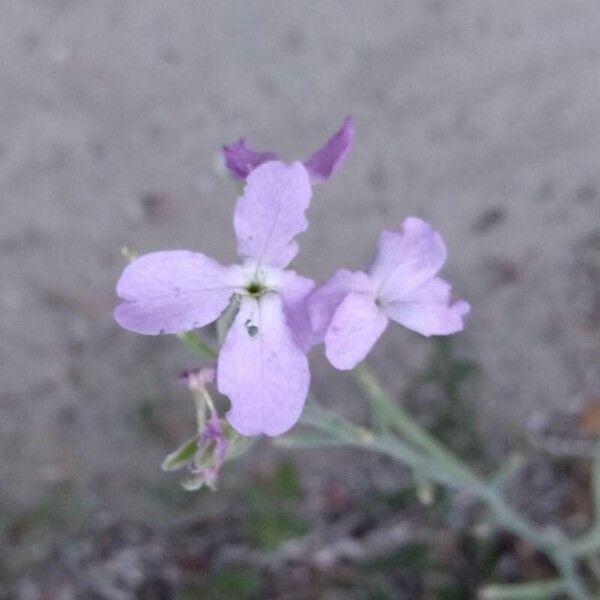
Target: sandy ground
{"x": 482, "y": 117}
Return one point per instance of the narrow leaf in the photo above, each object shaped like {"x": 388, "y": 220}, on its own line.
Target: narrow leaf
{"x": 181, "y": 456}
{"x": 197, "y": 345}
{"x": 506, "y": 471}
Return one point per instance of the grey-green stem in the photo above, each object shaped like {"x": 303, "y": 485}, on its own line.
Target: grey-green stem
{"x": 399, "y": 436}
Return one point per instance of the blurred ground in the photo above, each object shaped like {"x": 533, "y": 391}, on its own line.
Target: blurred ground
{"x": 480, "y": 116}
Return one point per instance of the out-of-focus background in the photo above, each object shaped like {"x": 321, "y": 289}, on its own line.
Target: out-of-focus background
{"x": 481, "y": 116}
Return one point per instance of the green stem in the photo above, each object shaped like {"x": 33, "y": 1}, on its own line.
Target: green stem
{"x": 587, "y": 544}
{"x": 567, "y": 568}
{"x": 198, "y": 345}
{"x": 406, "y": 426}
{"x": 436, "y": 463}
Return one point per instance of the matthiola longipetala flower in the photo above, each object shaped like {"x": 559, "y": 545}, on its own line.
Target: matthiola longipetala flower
{"x": 262, "y": 366}
{"x": 276, "y": 315}
{"x": 352, "y": 310}
{"x": 241, "y": 160}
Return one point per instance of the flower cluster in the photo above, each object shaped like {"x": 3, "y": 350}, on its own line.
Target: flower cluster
{"x": 262, "y": 366}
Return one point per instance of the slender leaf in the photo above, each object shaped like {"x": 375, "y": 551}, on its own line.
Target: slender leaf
{"x": 181, "y": 456}
{"x": 506, "y": 471}
{"x": 407, "y": 427}
{"x": 197, "y": 345}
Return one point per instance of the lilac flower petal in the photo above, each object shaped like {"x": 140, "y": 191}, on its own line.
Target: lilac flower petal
{"x": 329, "y": 158}
{"x": 357, "y": 325}
{"x": 294, "y": 291}
{"x": 323, "y": 302}
{"x": 429, "y": 310}
{"x": 262, "y": 370}
{"x": 270, "y": 213}
{"x": 406, "y": 259}
{"x": 175, "y": 291}
{"x": 242, "y": 160}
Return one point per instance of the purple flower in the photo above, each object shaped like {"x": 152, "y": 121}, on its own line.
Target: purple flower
{"x": 352, "y": 310}
{"x": 262, "y": 366}
{"x": 241, "y": 160}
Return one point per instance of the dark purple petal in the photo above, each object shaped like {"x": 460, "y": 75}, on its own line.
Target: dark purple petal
{"x": 174, "y": 291}
{"x": 323, "y": 302}
{"x": 242, "y": 160}
{"x": 429, "y": 310}
{"x": 356, "y": 326}
{"x": 262, "y": 370}
{"x": 329, "y": 158}
{"x": 406, "y": 259}
{"x": 270, "y": 213}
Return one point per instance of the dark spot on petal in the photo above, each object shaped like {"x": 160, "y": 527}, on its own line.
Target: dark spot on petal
{"x": 161, "y": 331}
{"x": 251, "y": 329}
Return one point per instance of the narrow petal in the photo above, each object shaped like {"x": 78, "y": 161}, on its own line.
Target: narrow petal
{"x": 270, "y": 213}
{"x": 406, "y": 259}
{"x": 294, "y": 291}
{"x": 356, "y": 326}
{"x": 175, "y": 291}
{"x": 323, "y": 302}
{"x": 241, "y": 160}
{"x": 329, "y": 158}
{"x": 262, "y": 370}
{"x": 429, "y": 309}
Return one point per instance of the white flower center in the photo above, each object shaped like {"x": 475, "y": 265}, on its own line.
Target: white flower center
{"x": 260, "y": 279}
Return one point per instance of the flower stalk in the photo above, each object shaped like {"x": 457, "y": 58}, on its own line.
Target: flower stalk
{"x": 406, "y": 441}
